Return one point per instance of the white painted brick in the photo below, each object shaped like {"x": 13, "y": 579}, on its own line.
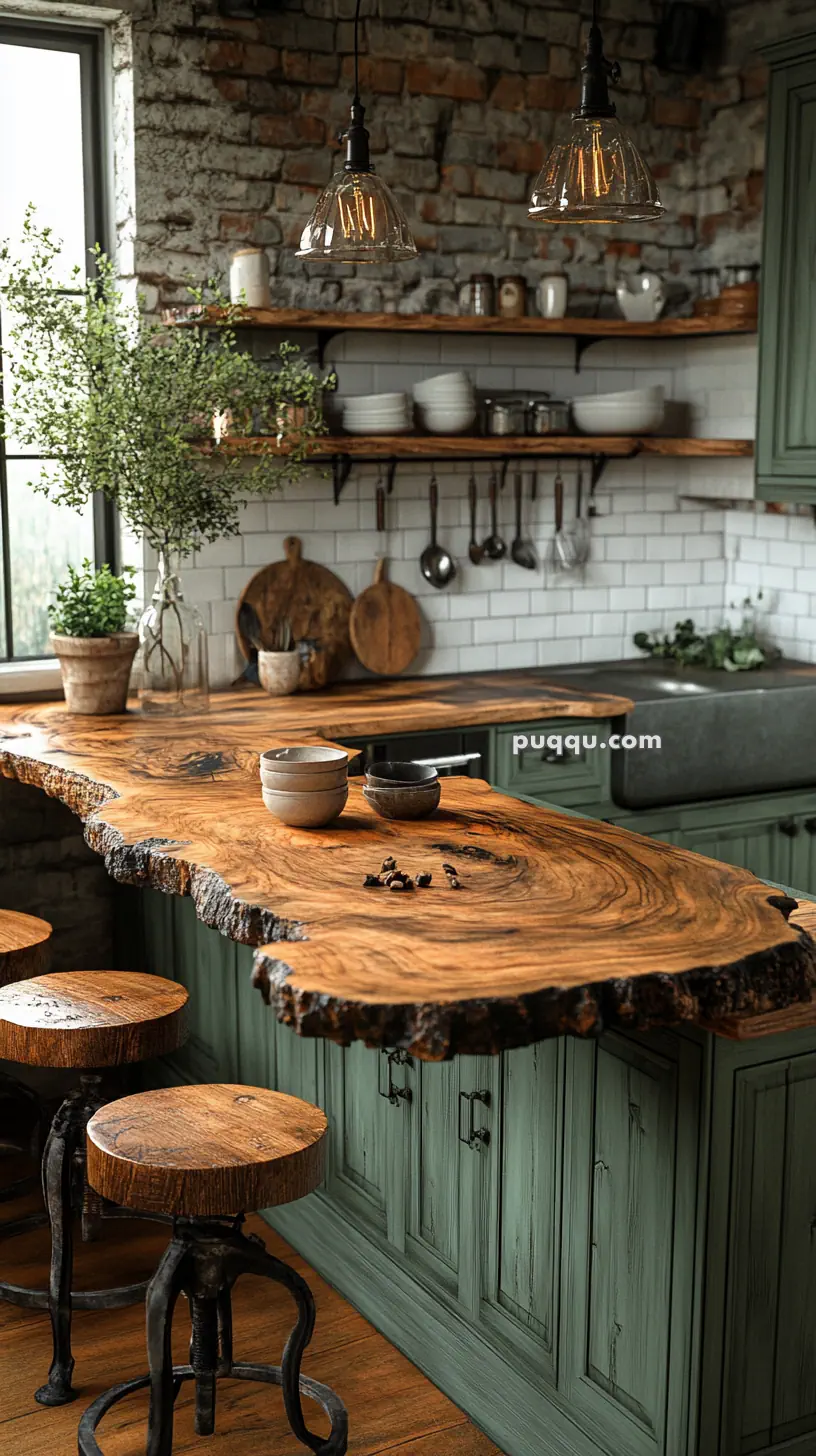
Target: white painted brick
{"x": 550, "y": 653}
{"x": 806, "y": 579}
{"x": 644, "y": 573}
{"x": 509, "y": 603}
{"x": 478, "y": 659}
{"x": 703, "y": 547}
{"x": 493, "y": 629}
{"x": 534, "y": 628}
{"x": 470, "y": 606}
{"x": 627, "y": 598}
{"x": 684, "y": 573}
{"x": 664, "y": 548}
{"x": 573, "y": 624}
{"x": 626, "y": 548}
{"x": 661, "y": 596}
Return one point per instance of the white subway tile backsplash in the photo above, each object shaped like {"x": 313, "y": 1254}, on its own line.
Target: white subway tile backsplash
{"x": 656, "y": 557}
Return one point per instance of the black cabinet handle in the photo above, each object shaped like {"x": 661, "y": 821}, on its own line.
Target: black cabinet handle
{"x": 789, "y": 827}
{"x": 393, "y": 1093}
{"x": 473, "y": 1137}
{"x": 553, "y": 755}
{"x": 810, "y": 825}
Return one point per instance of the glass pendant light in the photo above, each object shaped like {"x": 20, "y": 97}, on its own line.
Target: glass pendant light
{"x": 356, "y": 218}
{"x": 598, "y": 174}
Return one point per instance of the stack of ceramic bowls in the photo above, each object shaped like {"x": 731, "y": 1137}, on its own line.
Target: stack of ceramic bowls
{"x": 377, "y": 414}
{"x": 446, "y": 404}
{"x": 402, "y": 790}
{"x": 628, "y": 412}
{"x": 305, "y": 787}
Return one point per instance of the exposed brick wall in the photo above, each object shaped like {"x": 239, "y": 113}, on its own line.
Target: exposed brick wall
{"x": 47, "y": 869}
{"x": 236, "y": 126}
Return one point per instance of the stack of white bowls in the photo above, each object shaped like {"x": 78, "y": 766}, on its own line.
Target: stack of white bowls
{"x": 446, "y": 404}
{"x": 377, "y": 414}
{"x": 305, "y": 787}
{"x": 629, "y": 412}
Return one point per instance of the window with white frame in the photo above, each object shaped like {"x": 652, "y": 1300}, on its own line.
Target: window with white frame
{"x": 51, "y": 130}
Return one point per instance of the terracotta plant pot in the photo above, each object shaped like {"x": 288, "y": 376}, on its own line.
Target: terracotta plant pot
{"x": 96, "y": 671}
{"x": 279, "y": 672}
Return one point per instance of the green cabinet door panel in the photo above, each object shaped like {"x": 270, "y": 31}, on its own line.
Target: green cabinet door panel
{"x": 445, "y": 1177}
{"x": 771, "y": 1350}
{"x": 786, "y": 425}
{"x": 565, "y": 775}
{"x": 628, "y": 1300}
{"x": 362, "y": 1132}
{"x": 521, "y": 1254}
{"x": 761, "y": 847}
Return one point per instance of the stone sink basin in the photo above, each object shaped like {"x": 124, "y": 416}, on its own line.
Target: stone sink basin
{"x": 722, "y": 733}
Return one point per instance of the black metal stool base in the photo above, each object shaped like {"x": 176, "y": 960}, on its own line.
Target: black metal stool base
{"x": 203, "y": 1261}
{"x": 67, "y": 1195}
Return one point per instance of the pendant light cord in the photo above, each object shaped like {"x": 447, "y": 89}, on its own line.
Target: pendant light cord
{"x": 357, "y": 50}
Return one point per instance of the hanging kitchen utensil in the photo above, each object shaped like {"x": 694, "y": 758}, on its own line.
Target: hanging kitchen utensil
{"x": 580, "y": 529}
{"x": 522, "y": 550}
{"x": 494, "y": 546}
{"x": 475, "y": 551}
{"x": 380, "y": 507}
{"x": 561, "y": 553}
{"x": 317, "y": 604}
{"x": 436, "y": 564}
{"x": 385, "y": 625}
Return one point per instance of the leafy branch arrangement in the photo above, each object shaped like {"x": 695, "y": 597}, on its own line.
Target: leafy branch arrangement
{"x": 734, "y": 650}
{"x": 118, "y": 402}
{"x": 92, "y": 603}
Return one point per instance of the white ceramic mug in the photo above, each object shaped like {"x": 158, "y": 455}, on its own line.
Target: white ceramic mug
{"x": 249, "y": 278}
{"x": 552, "y": 296}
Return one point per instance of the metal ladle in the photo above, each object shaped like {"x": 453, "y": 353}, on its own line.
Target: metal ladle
{"x": 475, "y": 551}
{"x": 494, "y": 546}
{"x": 436, "y": 564}
{"x": 522, "y": 550}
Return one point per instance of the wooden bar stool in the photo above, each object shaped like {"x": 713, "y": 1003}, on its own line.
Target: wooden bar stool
{"x": 24, "y": 951}
{"x": 207, "y": 1155}
{"x": 81, "y": 1019}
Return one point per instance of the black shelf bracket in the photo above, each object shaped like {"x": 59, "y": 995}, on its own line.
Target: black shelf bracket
{"x": 341, "y": 470}
{"x": 342, "y": 465}
{"x": 582, "y": 343}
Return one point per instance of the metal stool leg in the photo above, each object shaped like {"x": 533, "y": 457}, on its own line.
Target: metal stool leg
{"x": 162, "y": 1294}
{"x": 204, "y": 1260}
{"x": 58, "y": 1182}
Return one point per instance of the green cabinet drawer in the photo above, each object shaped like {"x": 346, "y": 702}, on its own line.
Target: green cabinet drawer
{"x": 565, "y": 761}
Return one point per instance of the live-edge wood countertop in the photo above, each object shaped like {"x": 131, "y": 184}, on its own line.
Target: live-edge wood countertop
{"x": 560, "y": 925}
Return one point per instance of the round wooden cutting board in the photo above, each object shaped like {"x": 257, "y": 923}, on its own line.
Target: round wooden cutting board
{"x": 317, "y": 604}
{"x": 385, "y": 626}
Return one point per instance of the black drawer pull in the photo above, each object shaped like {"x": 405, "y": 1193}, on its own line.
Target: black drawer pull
{"x": 555, "y": 755}
{"x": 810, "y": 825}
{"x": 393, "y": 1093}
{"x": 474, "y": 1137}
{"x": 789, "y": 827}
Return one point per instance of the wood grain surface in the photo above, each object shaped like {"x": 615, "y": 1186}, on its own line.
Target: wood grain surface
{"x": 425, "y": 323}
{"x": 24, "y": 946}
{"x": 385, "y": 625}
{"x": 91, "y": 1019}
{"x": 206, "y": 1150}
{"x": 393, "y": 1408}
{"x": 477, "y": 447}
{"x": 772, "y": 1023}
{"x": 561, "y": 924}
{"x": 317, "y": 605}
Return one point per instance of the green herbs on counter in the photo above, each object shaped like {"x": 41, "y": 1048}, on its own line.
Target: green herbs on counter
{"x": 727, "y": 648}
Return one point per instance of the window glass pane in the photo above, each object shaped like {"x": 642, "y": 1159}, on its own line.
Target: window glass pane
{"x": 41, "y": 126}
{"x": 43, "y": 539}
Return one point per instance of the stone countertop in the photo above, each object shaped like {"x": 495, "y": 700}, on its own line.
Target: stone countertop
{"x": 560, "y": 925}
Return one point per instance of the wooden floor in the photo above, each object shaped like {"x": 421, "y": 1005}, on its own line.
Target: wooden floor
{"x": 391, "y": 1405}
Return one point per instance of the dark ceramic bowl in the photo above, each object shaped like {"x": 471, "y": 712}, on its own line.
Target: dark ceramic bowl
{"x": 412, "y": 802}
{"x": 392, "y": 775}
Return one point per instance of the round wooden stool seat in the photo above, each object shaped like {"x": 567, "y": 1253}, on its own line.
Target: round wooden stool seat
{"x": 206, "y": 1151}
{"x": 91, "y": 1019}
{"x": 24, "y": 948}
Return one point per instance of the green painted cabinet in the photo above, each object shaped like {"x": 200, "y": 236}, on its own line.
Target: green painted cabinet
{"x": 594, "y": 1248}
{"x": 786, "y": 422}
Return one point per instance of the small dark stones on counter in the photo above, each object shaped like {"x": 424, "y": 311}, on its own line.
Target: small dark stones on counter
{"x": 388, "y": 864}
{"x": 393, "y": 879}
{"x": 424, "y": 878}
{"x": 453, "y": 883}
{"x": 449, "y": 869}
{"x": 372, "y": 881}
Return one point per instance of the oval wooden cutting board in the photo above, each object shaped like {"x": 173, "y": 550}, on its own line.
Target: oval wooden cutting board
{"x": 385, "y": 626}
{"x": 317, "y": 604}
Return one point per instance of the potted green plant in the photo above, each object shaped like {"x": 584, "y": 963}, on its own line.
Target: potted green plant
{"x": 89, "y": 619}
{"x": 296, "y": 398}
{"x": 114, "y": 403}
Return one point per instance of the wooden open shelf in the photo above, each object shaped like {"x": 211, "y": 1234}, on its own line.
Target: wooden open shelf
{"x": 326, "y": 322}
{"x": 440, "y": 447}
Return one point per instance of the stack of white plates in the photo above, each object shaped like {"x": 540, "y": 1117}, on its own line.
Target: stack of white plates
{"x": 629, "y": 412}
{"x": 446, "y": 403}
{"x": 377, "y": 414}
